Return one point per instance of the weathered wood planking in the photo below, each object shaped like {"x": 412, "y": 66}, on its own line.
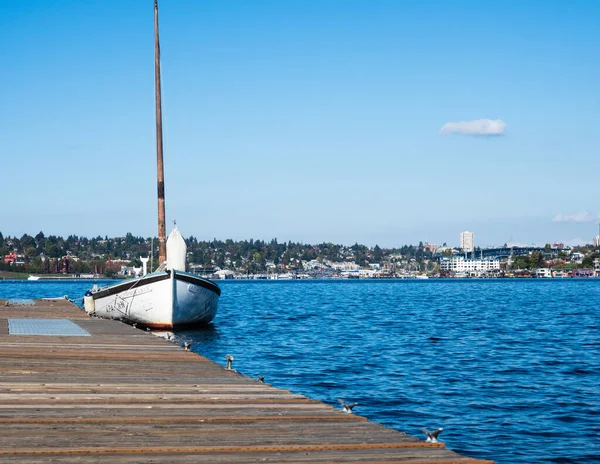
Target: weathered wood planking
{"x": 125, "y": 396}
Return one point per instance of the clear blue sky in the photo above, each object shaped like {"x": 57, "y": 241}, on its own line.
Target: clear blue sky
{"x": 310, "y": 121}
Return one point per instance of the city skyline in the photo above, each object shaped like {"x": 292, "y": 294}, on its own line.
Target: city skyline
{"x": 346, "y": 122}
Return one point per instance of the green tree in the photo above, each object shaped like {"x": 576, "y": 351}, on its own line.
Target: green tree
{"x": 536, "y": 259}
{"x": 521, "y": 262}
{"x": 52, "y": 249}
{"x": 129, "y": 240}
{"x": 377, "y": 254}
{"x": 588, "y": 261}
{"x": 27, "y": 241}
{"x": 30, "y": 252}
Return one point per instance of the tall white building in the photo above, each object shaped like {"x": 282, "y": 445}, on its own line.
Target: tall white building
{"x": 467, "y": 241}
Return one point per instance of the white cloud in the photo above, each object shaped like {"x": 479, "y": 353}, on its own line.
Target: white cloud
{"x": 521, "y": 244}
{"x": 583, "y": 216}
{"x": 576, "y": 242}
{"x": 477, "y": 127}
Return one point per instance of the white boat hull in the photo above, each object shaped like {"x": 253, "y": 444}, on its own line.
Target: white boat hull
{"x": 161, "y": 300}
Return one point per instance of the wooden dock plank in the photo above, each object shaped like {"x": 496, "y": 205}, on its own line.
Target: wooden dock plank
{"x": 126, "y": 396}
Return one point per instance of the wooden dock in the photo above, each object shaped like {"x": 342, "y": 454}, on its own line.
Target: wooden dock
{"x": 121, "y": 395}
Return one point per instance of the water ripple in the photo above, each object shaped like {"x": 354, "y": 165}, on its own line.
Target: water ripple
{"x": 509, "y": 368}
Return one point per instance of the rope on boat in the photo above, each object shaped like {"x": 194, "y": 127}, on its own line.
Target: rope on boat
{"x": 65, "y": 297}
{"x": 75, "y": 300}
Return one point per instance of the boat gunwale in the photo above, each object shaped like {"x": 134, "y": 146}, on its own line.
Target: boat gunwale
{"x": 123, "y": 286}
{"x": 201, "y": 281}
{"x": 157, "y": 277}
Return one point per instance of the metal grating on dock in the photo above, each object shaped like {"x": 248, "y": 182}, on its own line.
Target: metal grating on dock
{"x": 56, "y": 327}
{"x": 21, "y": 302}
{"x": 124, "y": 396}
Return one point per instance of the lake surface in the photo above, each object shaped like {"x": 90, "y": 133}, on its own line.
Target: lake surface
{"x": 509, "y": 368}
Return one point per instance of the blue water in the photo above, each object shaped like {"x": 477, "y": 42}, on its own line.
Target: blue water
{"x": 509, "y": 368}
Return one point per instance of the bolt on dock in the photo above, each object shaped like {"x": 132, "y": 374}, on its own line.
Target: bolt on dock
{"x": 80, "y": 389}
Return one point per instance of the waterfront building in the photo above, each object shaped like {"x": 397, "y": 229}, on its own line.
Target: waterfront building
{"x": 224, "y": 274}
{"x": 359, "y": 274}
{"x": 345, "y": 266}
{"x": 460, "y": 264}
{"x": 313, "y": 265}
{"x": 467, "y": 241}
{"x": 543, "y": 272}
{"x": 507, "y": 252}
{"x": 576, "y": 257}
{"x": 429, "y": 247}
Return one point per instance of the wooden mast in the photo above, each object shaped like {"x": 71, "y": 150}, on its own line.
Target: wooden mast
{"x": 162, "y": 236}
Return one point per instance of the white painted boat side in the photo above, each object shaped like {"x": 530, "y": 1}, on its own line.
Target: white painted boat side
{"x": 148, "y": 302}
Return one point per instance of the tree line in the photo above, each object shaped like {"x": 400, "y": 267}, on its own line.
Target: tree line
{"x": 47, "y": 254}
{"x": 75, "y": 254}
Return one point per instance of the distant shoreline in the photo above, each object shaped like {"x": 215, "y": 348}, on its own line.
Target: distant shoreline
{"x": 7, "y": 275}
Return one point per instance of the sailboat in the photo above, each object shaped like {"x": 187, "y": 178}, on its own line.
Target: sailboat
{"x": 169, "y": 297}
